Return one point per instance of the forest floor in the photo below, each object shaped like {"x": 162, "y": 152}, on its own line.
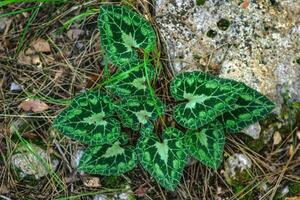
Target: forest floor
{"x": 49, "y": 52}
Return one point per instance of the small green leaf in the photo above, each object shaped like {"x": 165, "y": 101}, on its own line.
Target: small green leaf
{"x": 132, "y": 81}
{"x": 108, "y": 159}
{"x": 89, "y": 119}
{"x": 163, "y": 160}
{"x": 251, "y": 107}
{"x": 139, "y": 110}
{"x": 204, "y": 97}
{"x": 122, "y": 32}
{"x": 207, "y": 144}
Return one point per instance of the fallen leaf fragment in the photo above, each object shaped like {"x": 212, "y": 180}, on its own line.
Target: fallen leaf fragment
{"x": 245, "y": 4}
{"x": 277, "y": 138}
{"x": 141, "y": 191}
{"x": 24, "y": 59}
{"x": 41, "y": 45}
{"x": 33, "y": 105}
{"x": 293, "y": 198}
{"x": 74, "y": 34}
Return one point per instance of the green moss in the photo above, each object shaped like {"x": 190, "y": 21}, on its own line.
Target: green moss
{"x": 256, "y": 145}
{"x": 200, "y": 2}
{"x": 294, "y": 189}
{"x": 113, "y": 182}
{"x": 223, "y": 24}
{"x": 240, "y": 188}
{"x": 274, "y": 2}
{"x": 211, "y": 33}
{"x": 298, "y": 61}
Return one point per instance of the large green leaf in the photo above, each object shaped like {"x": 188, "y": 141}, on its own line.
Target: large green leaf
{"x": 139, "y": 110}
{"x": 89, "y": 119}
{"x": 207, "y": 144}
{"x": 202, "y": 98}
{"x": 250, "y": 107}
{"x": 133, "y": 81}
{"x": 108, "y": 159}
{"x": 165, "y": 159}
{"x": 123, "y": 32}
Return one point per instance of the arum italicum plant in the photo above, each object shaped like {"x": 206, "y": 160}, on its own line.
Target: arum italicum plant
{"x": 206, "y": 108}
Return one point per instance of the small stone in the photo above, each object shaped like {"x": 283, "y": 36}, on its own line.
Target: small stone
{"x": 4, "y": 22}
{"x": 76, "y": 159}
{"x": 33, "y": 162}
{"x": 253, "y": 130}
{"x": 20, "y": 125}
{"x": 277, "y": 138}
{"x": 298, "y": 134}
{"x": 101, "y": 197}
{"x": 291, "y": 150}
{"x": 91, "y": 181}
{"x": 79, "y": 45}
{"x": 36, "y": 60}
{"x": 284, "y": 191}
{"x": 15, "y": 87}
{"x": 236, "y": 167}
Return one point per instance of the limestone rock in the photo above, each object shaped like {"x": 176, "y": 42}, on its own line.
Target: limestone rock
{"x": 35, "y": 162}
{"x": 259, "y": 44}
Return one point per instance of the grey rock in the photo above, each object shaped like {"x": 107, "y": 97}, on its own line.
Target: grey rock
{"x": 253, "y": 130}
{"x": 15, "y": 87}
{"x": 236, "y": 167}
{"x": 34, "y": 162}
{"x": 259, "y": 47}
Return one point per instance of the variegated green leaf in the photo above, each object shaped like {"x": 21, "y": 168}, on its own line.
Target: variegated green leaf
{"x": 89, "y": 119}
{"x": 139, "y": 110}
{"x": 165, "y": 159}
{"x": 123, "y": 31}
{"x": 207, "y": 144}
{"x": 250, "y": 107}
{"x": 133, "y": 81}
{"x": 202, "y": 98}
{"x": 108, "y": 159}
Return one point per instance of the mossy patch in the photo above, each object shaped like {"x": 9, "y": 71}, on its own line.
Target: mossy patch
{"x": 200, "y": 2}
{"x": 256, "y": 145}
{"x": 223, "y": 24}
{"x": 211, "y": 33}
{"x": 298, "y": 61}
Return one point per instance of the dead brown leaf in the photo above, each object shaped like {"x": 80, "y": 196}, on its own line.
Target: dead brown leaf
{"x": 33, "y": 105}
{"x": 293, "y": 198}
{"x": 141, "y": 191}
{"x": 74, "y": 34}
{"x": 24, "y": 59}
{"x": 41, "y": 45}
{"x": 245, "y": 4}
